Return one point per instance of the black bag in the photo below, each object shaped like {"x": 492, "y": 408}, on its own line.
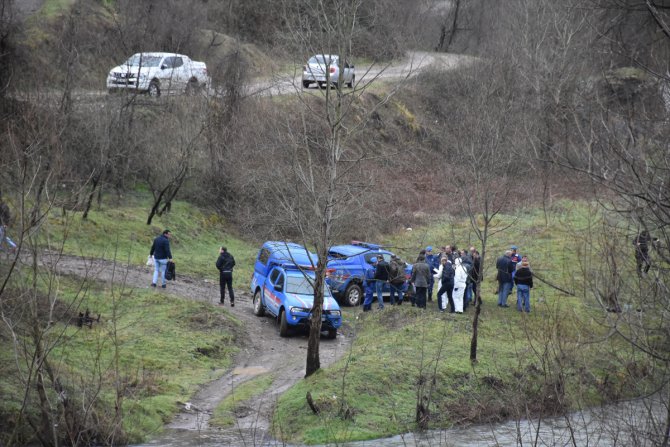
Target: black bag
{"x": 170, "y": 273}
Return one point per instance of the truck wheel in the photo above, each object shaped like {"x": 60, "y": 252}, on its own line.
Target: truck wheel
{"x": 259, "y": 310}
{"x": 351, "y": 84}
{"x": 154, "y": 89}
{"x": 353, "y": 295}
{"x": 305, "y": 84}
{"x": 192, "y": 87}
{"x": 283, "y": 324}
{"x": 332, "y": 333}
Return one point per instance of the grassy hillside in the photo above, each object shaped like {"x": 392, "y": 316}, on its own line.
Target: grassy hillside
{"x": 557, "y": 357}
{"x": 156, "y": 350}
{"x": 118, "y": 230}
{"x": 148, "y": 352}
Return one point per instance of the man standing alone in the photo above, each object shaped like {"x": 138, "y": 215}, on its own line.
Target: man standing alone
{"x": 225, "y": 264}
{"x": 160, "y": 250}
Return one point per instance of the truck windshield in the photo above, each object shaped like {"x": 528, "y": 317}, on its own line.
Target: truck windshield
{"x": 146, "y": 61}
{"x": 303, "y": 286}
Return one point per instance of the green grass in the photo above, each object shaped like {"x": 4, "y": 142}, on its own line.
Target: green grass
{"x": 224, "y": 414}
{"x": 118, "y": 230}
{"x": 154, "y": 349}
{"x": 53, "y": 8}
{"x": 168, "y": 346}
{"x": 523, "y": 359}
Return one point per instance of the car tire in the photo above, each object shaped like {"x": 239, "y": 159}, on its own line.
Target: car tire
{"x": 154, "y": 89}
{"x": 259, "y": 309}
{"x": 351, "y": 84}
{"x": 332, "y": 334}
{"x": 192, "y": 87}
{"x": 305, "y": 84}
{"x": 283, "y": 324}
{"x": 353, "y": 295}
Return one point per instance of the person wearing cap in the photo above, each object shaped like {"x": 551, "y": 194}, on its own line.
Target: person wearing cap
{"x": 524, "y": 282}
{"x": 433, "y": 262}
{"x": 160, "y": 251}
{"x": 370, "y": 285}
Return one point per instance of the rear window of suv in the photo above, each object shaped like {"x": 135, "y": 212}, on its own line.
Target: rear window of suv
{"x": 321, "y": 60}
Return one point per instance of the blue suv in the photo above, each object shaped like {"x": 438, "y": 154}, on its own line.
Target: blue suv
{"x": 282, "y": 286}
{"x": 347, "y": 265}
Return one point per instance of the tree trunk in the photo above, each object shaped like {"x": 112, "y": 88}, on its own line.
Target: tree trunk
{"x": 475, "y": 322}
{"x": 313, "y": 359}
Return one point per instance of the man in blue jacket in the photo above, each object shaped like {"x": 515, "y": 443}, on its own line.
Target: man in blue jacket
{"x": 370, "y": 284}
{"x": 505, "y": 268}
{"x": 160, "y": 250}
{"x": 433, "y": 262}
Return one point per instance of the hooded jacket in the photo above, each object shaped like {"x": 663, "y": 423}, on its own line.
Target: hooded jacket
{"x": 460, "y": 274}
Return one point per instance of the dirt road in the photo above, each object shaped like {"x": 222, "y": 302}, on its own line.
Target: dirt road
{"x": 263, "y": 352}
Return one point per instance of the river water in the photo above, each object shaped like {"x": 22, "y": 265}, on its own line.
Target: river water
{"x": 639, "y": 422}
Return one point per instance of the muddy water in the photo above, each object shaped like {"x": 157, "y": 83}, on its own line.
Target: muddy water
{"x": 632, "y": 423}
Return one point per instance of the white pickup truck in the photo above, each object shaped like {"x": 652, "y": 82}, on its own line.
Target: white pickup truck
{"x": 158, "y": 73}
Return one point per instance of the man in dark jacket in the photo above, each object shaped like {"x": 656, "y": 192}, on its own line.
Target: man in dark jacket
{"x": 225, "y": 264}
{"x": 505, "y": 268}
{"x": 160, "y": 250}
{"x": 642, "y": 242}
{"x": 381, "y": 278}
{"x": 446, "y": 285}
{"x": 421, "y": 274}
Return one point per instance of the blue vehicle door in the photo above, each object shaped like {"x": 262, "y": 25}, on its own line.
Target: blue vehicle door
{"x": 273, "y": 291}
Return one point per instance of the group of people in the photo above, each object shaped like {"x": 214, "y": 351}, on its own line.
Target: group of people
{"x": 452, "y": 272}
{"x": 161, "y": 255}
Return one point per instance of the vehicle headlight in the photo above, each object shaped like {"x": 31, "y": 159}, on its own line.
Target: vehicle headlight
{"x": 143, "y": 76}
{"x": 295, "y": 310}
{"x": 335, "y": 313}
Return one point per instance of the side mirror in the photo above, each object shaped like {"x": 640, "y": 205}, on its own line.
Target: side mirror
{"x": 351, "y": 66}
{"x": 163, "y": 67}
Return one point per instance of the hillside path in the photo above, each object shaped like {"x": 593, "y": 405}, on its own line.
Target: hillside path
{"x": 262, "y": 350}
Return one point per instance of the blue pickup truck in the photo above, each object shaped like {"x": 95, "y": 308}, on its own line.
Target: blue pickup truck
{"x": 347, "y": 265}
{"x": 282, "y": 286}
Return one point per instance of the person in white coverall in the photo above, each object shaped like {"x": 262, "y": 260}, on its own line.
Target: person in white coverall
{"x": 460, "y": 278}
